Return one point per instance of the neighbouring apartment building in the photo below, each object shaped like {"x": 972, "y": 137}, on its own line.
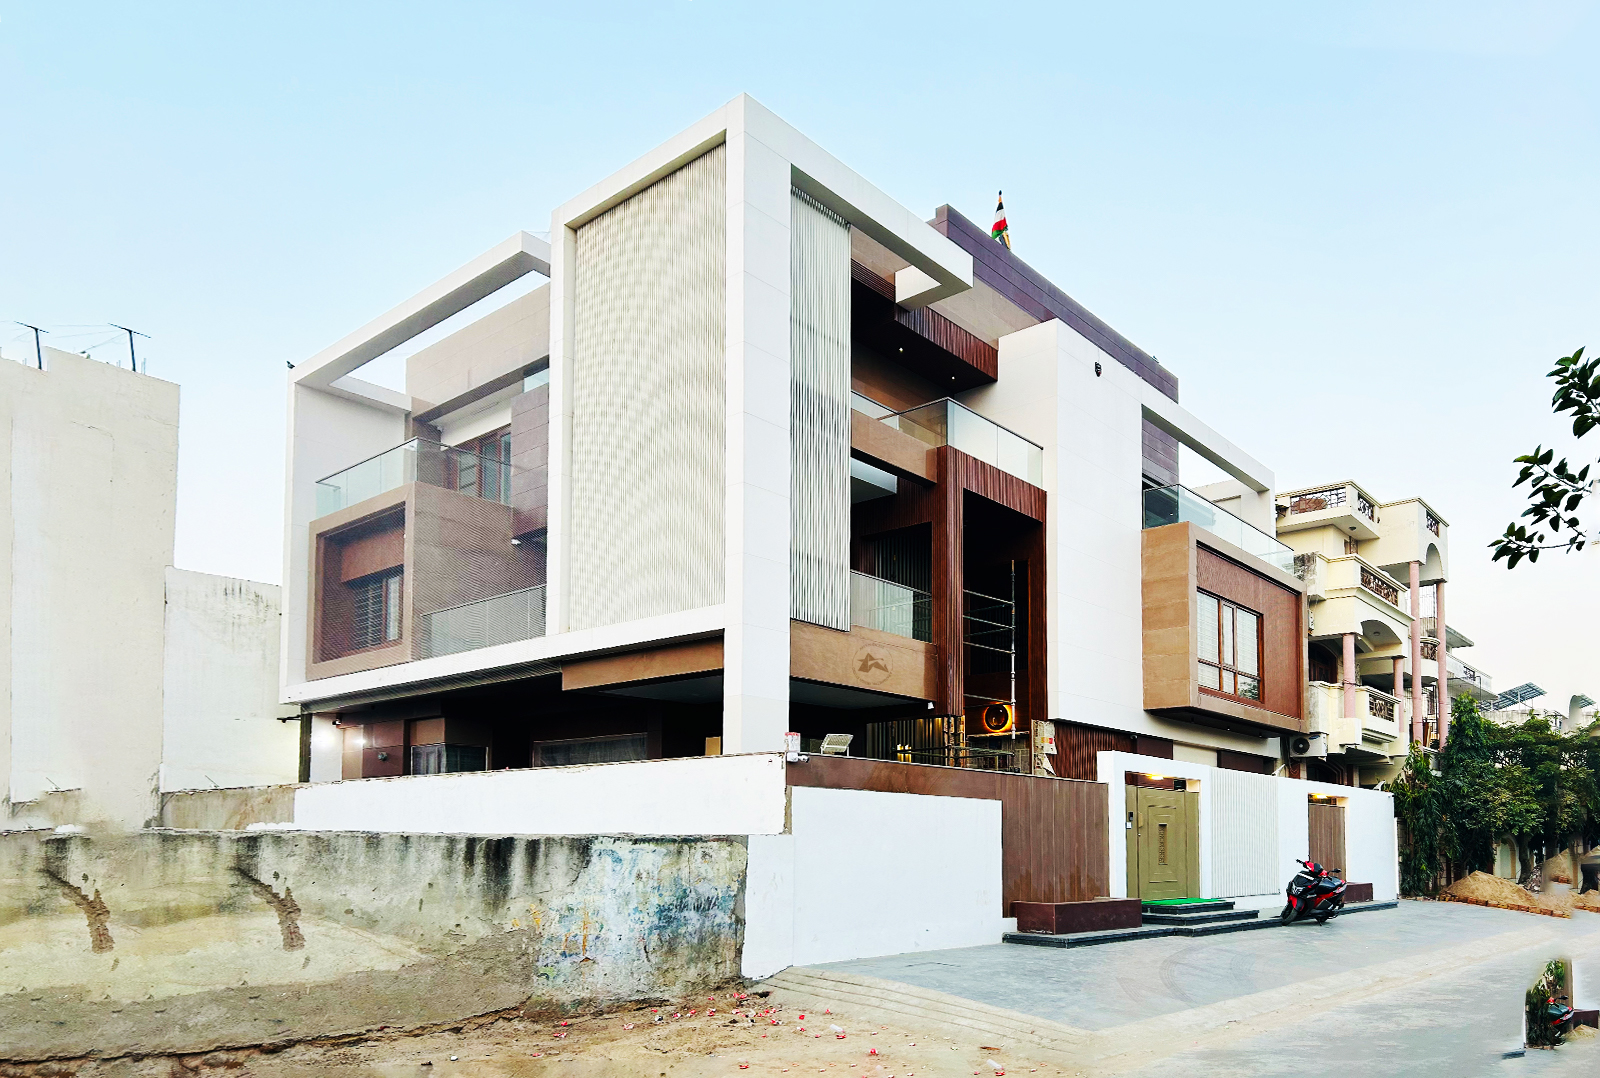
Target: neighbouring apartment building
{"x": 769, "y": 456}
{"x": 1382, "y": 656}
{"x": 123, "y": 677}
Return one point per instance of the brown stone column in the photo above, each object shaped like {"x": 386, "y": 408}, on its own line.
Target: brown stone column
{"x": 1444, "y": 670}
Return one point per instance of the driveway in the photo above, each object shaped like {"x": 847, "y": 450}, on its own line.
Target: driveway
{"x": 1428, "y": 988}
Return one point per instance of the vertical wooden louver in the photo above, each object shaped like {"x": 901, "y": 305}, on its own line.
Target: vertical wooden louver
{"x": 649, "y": 401}
{"x": 819, "y": 415}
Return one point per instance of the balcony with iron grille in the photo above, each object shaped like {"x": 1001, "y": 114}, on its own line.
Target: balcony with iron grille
{"x": 1342, "y": 505}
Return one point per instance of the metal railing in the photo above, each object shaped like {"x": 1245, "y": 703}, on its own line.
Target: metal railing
{"x": 501, "y": 619}
{"x": 1379, "y": 586}
{"x": 949, "y": 422}
{"x": 1176, "y": 504}
{"x": 1316, "y": 501}
{"x": 1381, "y": 706}
{"x": 888, "y": 607}
{"x": 416, "y": 461}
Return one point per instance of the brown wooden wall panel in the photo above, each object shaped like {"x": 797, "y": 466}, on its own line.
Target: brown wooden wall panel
{"x": 672, "y": 660}
{"x": 1078, "y": 749}
{"x": 1055, "y": 844}
{"x": 863, "y": 659}
{"x": 370, "y": 549}
{"x": 1282, "y": 638}
{"x": 1327, "y": 837}
{"x": 1245, "y": 761}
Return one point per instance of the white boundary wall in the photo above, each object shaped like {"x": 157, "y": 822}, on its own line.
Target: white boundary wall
{"x": 863, "y": 873}
{"x": 1252, "y": 827}
{"x": 697, "y": 795}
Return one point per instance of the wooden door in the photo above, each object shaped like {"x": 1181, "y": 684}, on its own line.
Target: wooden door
{"x": 1162, "y": 833}
{"x": 1327, "y": 837}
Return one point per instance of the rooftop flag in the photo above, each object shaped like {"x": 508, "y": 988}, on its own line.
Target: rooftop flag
{"x": 999, "y": 231}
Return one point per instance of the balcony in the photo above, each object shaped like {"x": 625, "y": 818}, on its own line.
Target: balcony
{"x": 1344, "y": 505}
{"x": 501, "y": 619}
{"x": 947, "y": 422}
{"x": 1179, "y": 504}
{"x": 1374, "y": 730}
{"x": 888, "y": 607}
{"x": 416, "y": 461}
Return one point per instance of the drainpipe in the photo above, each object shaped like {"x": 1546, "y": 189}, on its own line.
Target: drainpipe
{"x": 1417, "y": 716}
{"x": 1350, "y": 676}
{"x": 1444, "y": 671}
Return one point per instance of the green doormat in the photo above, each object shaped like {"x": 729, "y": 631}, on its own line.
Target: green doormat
{"x": 1178, "y": 901}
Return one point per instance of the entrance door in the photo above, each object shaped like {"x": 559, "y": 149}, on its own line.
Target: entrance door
{"x": 1327, "y": 837}
{"x": 1161, "y": 848}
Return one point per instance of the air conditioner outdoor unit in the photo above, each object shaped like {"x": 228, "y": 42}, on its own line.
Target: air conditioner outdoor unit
{"x": 1304, "y": 746}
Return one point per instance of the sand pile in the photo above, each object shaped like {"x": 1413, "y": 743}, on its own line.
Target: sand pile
{"x": 1482, "y": 889}
{"x": 1589, "y": 900}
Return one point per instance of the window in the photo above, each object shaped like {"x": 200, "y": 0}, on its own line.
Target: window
{"x": 483, "y": 467}
{"x": 589, "y": 750}
{"x": 375, "y": 610}
{"x": 447, "y": 759}
{"x": 1230, "y": 648}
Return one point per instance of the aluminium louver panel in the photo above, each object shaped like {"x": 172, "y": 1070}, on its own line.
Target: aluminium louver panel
{"x": 648, "y": 398}
{"x": 1244, "y": 834}
{"x": 819, "y": 415}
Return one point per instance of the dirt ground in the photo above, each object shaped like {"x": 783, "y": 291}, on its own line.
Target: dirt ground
{"x": 750, "y": 1036}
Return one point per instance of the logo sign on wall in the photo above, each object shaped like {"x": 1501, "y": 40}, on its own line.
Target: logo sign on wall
{"x": 872, "y": 665}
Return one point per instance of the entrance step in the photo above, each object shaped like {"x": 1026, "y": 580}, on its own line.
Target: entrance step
{"x": 1250, "y": 922}
{"x": 1200, "y": 918}
{"x": 1205, "y": 905}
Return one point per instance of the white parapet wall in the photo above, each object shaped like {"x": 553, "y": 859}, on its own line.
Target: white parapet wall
{"x": 1252, "y": 827}
{"x": 698, "y": 795}
{"x": 863, "y": 873}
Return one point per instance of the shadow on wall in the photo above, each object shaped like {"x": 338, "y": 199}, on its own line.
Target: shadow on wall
{"x": 177, "y": 942}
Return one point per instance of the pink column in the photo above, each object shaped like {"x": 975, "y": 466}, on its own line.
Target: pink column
{"x": 1399, "y": 686}
{"x": 1444, "y": 671}
{"x": 1417, "y": 716}
{"x": 1350, "y": 675}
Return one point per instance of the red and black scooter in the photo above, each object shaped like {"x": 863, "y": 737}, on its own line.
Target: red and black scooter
{"x": 1314, "y": 892}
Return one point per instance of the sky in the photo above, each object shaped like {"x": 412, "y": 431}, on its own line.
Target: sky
{"x": 1360, "y": 234}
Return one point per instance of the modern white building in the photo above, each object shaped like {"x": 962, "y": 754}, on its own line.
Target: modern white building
{"x": 115, "y": 667}
{"x": 769, "y": 454}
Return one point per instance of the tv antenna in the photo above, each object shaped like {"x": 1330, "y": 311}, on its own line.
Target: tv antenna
{"x": 38, "y": 351}
{"x": 132, "y": 333}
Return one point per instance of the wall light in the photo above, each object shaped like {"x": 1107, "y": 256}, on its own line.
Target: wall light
{"x": 1158, "y": 778}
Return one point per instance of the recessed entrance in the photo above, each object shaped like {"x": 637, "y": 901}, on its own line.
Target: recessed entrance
{"x": 1163, "y": 843}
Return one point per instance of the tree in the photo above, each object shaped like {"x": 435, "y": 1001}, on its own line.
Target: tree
{"x": 1555, "y": 491}
{"x": 1419, "y": 806}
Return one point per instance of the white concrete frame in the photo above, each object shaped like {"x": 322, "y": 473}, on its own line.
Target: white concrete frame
{"x": 347, "y": 419}
{"x": 766, "y": 157}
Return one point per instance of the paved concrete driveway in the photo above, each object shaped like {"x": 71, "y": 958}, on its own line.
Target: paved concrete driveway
{"x": 1428, "y": 988}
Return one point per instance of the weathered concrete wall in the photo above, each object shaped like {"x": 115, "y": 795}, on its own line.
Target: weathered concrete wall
{"x": 219, "y": 712}
{"x": 88, "y": 482}
{"x": 174, "y": 941}
{"x": 229, "y": 809}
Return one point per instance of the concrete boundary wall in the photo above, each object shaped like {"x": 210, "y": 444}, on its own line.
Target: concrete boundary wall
{"x": 865, "y": 873}
{"x": 698, "y": 795}
{"x": 183, "y": 941}
{"x": 1238, "y": 855}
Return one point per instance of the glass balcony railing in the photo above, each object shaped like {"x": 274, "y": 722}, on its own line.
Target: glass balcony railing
{"x": 502, "y": 619}
{"x": 890, "y": 608}
{"x": 416, "y": 461}
{"x": 1175, "y": 504}
{"x": 947, "y": 422}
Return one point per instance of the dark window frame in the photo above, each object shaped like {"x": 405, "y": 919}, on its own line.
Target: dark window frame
{"x": 376, "y": 624}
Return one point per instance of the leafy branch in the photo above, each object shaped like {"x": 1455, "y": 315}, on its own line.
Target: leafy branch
{"x": 1555, "y": 491}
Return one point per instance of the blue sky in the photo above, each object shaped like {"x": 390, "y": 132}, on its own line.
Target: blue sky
{"x": 1358, "y": 234}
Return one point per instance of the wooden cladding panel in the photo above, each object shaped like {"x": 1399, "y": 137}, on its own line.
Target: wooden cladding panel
{"x": 673, "y": 660}
{"x": 1327, "y": 837}
{"x": 1054, "y": 833}
{"x": 370, "y": 549}
{"x": 891, "y": 448}
{"x": 1078, "y": 749}
{"x": 1282, "y": 639}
